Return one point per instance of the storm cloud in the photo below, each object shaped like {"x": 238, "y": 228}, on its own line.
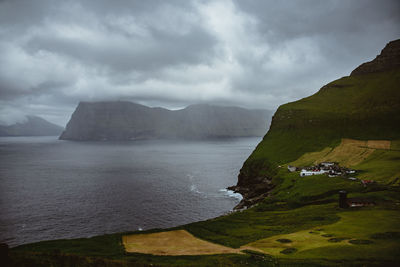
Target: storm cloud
{"x": 254, "y": 54}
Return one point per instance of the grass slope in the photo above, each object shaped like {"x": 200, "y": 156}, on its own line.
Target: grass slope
{"x": 358, "y": 107}
{"x": 355, "y": 235}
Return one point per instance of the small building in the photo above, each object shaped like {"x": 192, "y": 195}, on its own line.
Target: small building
{"x": 357, "y": 202}
{"x": 327, "y": 164}
{"x": 345, "y": 202}
{"x": 305, "y": 172}
{"x": 291, "y": 168}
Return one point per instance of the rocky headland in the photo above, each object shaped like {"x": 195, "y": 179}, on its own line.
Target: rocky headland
{"x": 122, "y": 120}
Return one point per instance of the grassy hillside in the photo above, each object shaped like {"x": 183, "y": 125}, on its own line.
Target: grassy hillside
{"x": 361, "y": 107}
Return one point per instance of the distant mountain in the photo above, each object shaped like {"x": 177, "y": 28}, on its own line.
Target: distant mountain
{"x": 121, "y": 120}
{"x": 33, "y": 126}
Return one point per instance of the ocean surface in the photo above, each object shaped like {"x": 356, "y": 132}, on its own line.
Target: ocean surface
{"x": 52, "y": 189}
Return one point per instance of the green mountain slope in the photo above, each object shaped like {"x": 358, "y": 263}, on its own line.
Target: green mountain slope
{"x": 365, "y": 105}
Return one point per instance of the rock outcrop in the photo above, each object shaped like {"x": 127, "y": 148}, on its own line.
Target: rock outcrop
{"x": 388, "y": 59}
{"x": 121, "y": 120}
{"x": 33, "y": 126}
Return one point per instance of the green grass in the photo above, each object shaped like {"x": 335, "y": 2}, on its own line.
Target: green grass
{"x": 361, "y": 225}
{"x": 382, "y": 166}
{"x": 93, "y": 246}
{"x": 244, "y": 227}
{"x": 353, "y": 233}
{"x": 296, "y": 189}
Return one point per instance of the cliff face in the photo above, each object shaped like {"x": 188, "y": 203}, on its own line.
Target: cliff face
{"x": 33, "y": 126}
{"x": 388, "y": 59}
{"x": 365, "y": 105}
{"x": 129, "y": 121}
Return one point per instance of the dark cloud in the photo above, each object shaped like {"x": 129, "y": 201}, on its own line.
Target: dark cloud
{"x": 121, "y": 53}
{"x": 256, "y": 54}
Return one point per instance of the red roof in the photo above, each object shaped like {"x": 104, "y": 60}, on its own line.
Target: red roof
{"x": 367, "y": 181}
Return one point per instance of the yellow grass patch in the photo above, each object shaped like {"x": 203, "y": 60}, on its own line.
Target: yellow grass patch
{"x": 179, "y": 242}
{"x": 379, "y": 144}
{"x": 350, "y": 152}
{"x": 309, "y": 158}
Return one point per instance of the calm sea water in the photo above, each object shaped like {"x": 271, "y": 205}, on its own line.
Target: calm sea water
{"x": 51, "y": 189}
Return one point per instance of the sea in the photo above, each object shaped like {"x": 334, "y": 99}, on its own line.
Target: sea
{"x": 53, "y": 189}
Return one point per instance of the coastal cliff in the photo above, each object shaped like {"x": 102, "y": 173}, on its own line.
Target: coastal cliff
{"x": 121, "y": 120}
{"x": 364, "y": 105}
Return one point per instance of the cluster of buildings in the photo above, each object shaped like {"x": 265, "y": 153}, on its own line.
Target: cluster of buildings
{"x": 332, "y": 169}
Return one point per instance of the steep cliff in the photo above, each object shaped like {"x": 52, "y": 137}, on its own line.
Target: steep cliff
{"x": 123, "y": 120}
{"x": 364, "y": 105}
{"x": 33, "y": 126}
{"x": 388, "y": 59}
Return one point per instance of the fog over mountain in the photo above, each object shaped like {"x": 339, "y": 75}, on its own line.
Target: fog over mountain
{"x": 31, "y": 126}
{"x": 171, "y": 54}
{"x": 121, "y": 120}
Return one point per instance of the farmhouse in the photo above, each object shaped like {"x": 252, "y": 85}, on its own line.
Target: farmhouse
{"x": 331, "y": 168}
{"x": 305, "y": 172}
{"x": 357, "y": 202}
{"x": 291, "y": 168}
{"x": 327, "y": 164}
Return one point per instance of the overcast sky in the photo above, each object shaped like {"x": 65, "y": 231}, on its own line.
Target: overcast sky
{"x": 254, "y": 54}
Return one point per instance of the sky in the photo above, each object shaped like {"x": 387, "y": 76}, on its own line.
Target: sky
{"x": 253, "y": 54}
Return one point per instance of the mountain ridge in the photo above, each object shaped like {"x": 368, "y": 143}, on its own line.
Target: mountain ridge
{"x": 123, "y": 120}
{"x": 388, "y": 59}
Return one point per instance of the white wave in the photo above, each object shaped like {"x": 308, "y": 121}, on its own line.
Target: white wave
{"x": 140, "y": 228}
{"x": 231, "y": 193}
{"x": 193, "y": 188}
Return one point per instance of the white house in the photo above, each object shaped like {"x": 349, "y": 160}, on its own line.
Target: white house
{"x": 309, "y": 173}
{"x": 327, "y": 164}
